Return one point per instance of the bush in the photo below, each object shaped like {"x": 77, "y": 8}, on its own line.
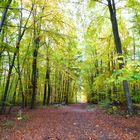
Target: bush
{"x": 105, "y": 103}
{"x": 136, "y": 99}
{"x": 112, "y": 109}
{"x": 94, "y": 100}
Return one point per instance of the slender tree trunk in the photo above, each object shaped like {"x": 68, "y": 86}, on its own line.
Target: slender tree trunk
{"x": 22, "y": 94}
{"x": 49, "y": 92}
{"x": 3, "y": 106}
{"x": 45, "y": 90}
{"x": 14, "y": 97}
{"x": 112, "y": 10}
{"x": 34, "y": 73}
{"x": 134, "y": 53}
{"x": 4, "y": 14}
{"x": 63, "y": 88}
{"x": 101, "y": 66}
{"x": 67, "y": 90}
{"x": 47, "y": 87}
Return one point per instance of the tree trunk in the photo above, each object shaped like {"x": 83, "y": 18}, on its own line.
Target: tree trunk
{"x": 14, "y": 97}
{"x": 45, "y": 90}
{"x": 112, "y": 10}
{"x": 67, "y": 90}
{"x": 3, "y": 106}
{"x": 4, "y": 14}
{"x": 49, "y": 93}
{"x": 34, "y": 73}
{"x": 47, "y": 87}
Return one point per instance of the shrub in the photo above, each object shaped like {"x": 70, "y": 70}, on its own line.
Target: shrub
{"x": 136, "y": 99}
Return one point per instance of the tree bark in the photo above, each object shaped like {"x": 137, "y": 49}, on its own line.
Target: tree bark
{"x": 34, "y": 72}
{"x": 47, "y": 87}
{"x": 45, "y": 90}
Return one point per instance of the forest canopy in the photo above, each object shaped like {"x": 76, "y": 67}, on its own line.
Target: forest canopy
{"x": 56, "y": 51}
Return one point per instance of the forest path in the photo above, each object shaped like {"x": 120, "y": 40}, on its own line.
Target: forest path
{"x": 73, "y": 122}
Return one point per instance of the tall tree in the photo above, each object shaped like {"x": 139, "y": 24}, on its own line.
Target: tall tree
{"x": 112, "y": 10}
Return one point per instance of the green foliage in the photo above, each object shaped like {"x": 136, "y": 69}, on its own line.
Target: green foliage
{"x": 91, "y": 4}
{"x": 94, "y": 99}
{"x": 6, "y": 47}
{"x": 112, "y": 109}
{"x": 136, "y": 99}
{"x": 3, "y": 2}
{"x": 105, "y": 103}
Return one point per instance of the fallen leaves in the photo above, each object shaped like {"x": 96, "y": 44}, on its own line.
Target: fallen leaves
{"x": 73, "y": 122}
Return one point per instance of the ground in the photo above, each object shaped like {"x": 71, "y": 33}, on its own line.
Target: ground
{"x": 73, "y": 122}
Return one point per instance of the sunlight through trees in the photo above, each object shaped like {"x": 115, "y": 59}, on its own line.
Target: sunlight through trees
{"x": 69, "y": 51}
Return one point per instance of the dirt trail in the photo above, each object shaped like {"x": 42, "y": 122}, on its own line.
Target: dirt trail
{"x": 74, "y": 122}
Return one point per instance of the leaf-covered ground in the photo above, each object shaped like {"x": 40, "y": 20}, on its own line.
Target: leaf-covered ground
{"x": 74, "y": 122}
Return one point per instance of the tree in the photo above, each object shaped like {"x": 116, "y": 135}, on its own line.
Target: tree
{"x": 118, "y": 45}
{"x": 112, "y": 10}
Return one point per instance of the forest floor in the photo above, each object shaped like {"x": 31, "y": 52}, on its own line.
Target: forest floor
{"x": 73, "y": 122}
